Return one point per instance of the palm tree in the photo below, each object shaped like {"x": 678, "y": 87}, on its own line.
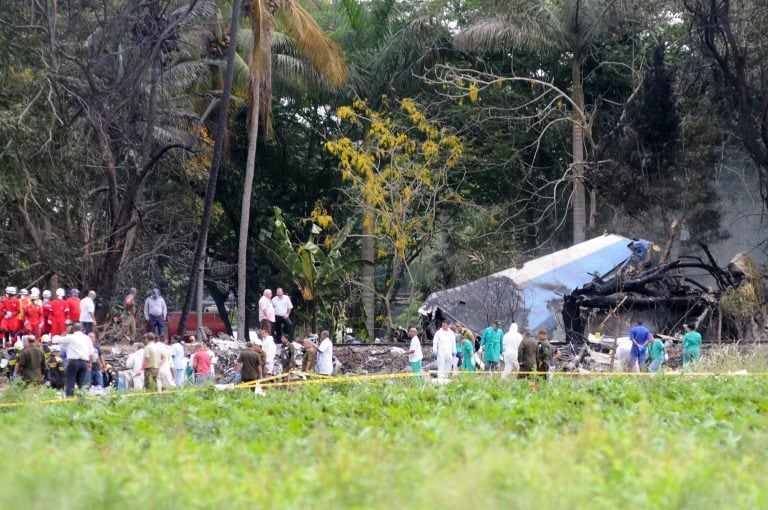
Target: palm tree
{"x": 210, "y": 191}
{"x": 561, "y": 27}
{"x": 313, "y": 46}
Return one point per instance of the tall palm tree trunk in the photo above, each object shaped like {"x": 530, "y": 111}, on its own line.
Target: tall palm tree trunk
{"x": 367, "y": 278}
{"x": 245, "y": 212}
{"x": 213, "y": 176}
{"x": 579, "y": 207}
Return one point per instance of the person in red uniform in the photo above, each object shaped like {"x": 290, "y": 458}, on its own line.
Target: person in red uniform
{"x": 10, "y": 314}
{"x": 74, "y": 305}
{"x": 24, "y": 300}
{"x": 33, "y": 315}
{"x": 46, "y": 312}
{"x": 59, "y": 313}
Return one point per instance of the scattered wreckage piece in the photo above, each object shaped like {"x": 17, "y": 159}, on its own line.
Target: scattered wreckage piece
{"x": 532, "y": 295}
{"x": 665, "y": 296}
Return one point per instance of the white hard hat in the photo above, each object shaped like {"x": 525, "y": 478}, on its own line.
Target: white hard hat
{"x": 60, "y": 293}
{"x": 10, "y": 290}
{"x": 35, "y": 292}
{"x": 45, "y": 339}
{"x": 24, "y": 292}
{"x": 257, "y": 342}
{"x": 46, "y": 293}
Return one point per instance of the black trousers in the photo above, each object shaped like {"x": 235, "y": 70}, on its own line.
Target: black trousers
{"x": 281, "y": 321}
{"x": 75, "y": 374}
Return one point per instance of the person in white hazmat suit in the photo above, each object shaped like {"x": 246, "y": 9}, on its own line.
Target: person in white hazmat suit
{"x": 270, "y": 349}
{"x": 511, "y": 343}
{"x": 444, "y": 347}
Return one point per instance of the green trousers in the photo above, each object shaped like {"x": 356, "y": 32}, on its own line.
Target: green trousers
{"x": 416, "y": 368}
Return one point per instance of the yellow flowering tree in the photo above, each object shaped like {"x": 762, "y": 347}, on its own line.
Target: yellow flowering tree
{"x": 398, "y": 167}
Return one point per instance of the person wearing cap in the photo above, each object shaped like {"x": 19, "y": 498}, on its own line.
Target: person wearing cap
{"x": 526, "y": 353}
{"x": 24, "y": 300}
{"x": 309, "y": 360}
{"x": 10, "y": 315}
{"x": 54, "y": 374}
{"x": 73, "y": 303}
{"x": 88, "y": 312}
{"x": 546, "y": 354}
{"x": 259, "y": 347}
{"x": 491, "y": 344}
{"x": 249, "y": 364}
{"x": 30, "y": 365}
{"x": 12, "y": 355}
{"x": 59, "y": 313}
{"x": 156, "y": 312}
{"x": 33, "y": 315}
{"x": 79, "y": 357}
{"x": 153, "y": 357}
{"x": 46, "y": 312}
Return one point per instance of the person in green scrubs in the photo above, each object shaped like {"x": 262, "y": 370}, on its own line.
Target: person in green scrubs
{"x": 467, "y": 351}
{"x": 691, "y": 345}
{"x": 492, "y": 346}
{"x": 656, "y": 354}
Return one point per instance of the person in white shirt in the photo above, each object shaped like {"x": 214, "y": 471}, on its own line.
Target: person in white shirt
{"x": 511, "y": 343}
{"x": 270, "y": 349}
{"x": 165, "y": 376}
{"x": 133, "y": 375}
{"x": 444, "y": 345}
{"x": 414, "y": 353}
{"x": 266, "y": 311}
{"x": 324, "y": 354}
{"x": 283, "y": 310}
{"x": 80, "y": 354}
{"x": 179, "y": 361}
{"x": 88, "y": 312}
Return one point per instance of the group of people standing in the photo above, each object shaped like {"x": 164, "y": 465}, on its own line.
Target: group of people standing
{"x": 275, "y": 313}
{"x": 257, "y": 360}
{"x": 28, "y": 312}
{"x": 648, "y": 351}
{"x": 454, "y": 348}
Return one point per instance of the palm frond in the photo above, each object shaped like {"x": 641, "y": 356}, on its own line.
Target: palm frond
{"x": 509, "y": 32}
{"x": 200, "y": 11}
{"x": 325, "y": 55}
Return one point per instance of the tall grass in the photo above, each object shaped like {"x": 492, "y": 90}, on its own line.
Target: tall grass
{"x": 731, "y": 358}
{"x": 664, "y": 442}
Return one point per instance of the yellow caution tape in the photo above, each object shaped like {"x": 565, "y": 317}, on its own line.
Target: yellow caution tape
{"x": 272, "y": 381}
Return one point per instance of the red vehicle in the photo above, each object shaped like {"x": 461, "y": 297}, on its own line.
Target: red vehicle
{"x": 211, "y": 321}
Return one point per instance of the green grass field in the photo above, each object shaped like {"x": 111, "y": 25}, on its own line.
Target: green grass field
{"x": 478, "y": 443}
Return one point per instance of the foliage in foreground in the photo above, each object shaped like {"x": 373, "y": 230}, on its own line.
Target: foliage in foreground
{"x": 666, "y": 442}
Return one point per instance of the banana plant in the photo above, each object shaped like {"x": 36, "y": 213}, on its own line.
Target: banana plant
{"x": 318, "y": 269}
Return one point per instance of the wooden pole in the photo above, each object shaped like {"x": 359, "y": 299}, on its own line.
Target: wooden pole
{"x": 618, "y": 330}
{"x": 719, "y": 326}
